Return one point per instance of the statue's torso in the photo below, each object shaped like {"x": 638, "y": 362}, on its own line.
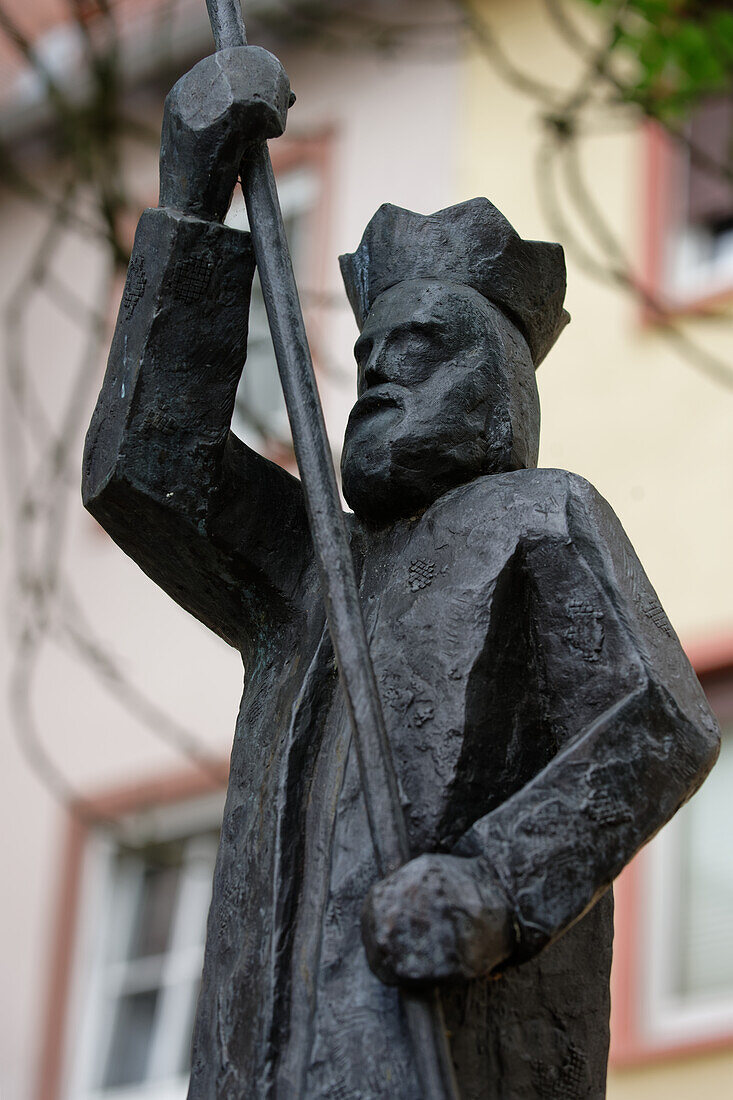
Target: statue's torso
{"x": 448, "y": 612}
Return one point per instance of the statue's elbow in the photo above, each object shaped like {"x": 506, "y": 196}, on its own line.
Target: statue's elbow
{"x": 698, "y": 758}
{"x": 692, "y": 733}
{"x": 95, "y": 472}
{"x": 709, "y": 750}
{"x": 103, "y": 470}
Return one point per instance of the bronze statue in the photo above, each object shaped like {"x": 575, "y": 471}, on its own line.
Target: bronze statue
{"x": 542, "y": 717}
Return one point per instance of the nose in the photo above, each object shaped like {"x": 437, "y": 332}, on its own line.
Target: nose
{"x": 374, "y": 368}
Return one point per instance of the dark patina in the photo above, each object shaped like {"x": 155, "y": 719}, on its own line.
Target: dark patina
{"x": 543, "y": 719}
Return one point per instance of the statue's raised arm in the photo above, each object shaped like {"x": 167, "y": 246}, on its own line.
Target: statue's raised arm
{"x": 219, "y": 527}
{"x": 541, "y": 716}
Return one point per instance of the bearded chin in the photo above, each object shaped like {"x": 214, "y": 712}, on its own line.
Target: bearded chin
{"x": 368, "y": 480}
{"x": 381, "y": 481}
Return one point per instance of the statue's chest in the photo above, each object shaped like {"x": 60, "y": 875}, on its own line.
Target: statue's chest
{"x": 428, "y": 597}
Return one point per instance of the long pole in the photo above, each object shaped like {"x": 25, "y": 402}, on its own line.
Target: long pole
{"x": 338, "y": 582}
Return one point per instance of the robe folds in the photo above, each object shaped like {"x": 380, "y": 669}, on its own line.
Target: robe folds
{"x": 541, "y": 713}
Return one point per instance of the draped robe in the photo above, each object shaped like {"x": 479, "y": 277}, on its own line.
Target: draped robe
{"x": 541, "y": 714}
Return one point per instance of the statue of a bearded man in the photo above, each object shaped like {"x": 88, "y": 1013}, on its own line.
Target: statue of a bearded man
{"x": 543, "y": 718}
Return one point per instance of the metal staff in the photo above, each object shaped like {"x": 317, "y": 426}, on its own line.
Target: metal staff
{"x": 338, "y": 582}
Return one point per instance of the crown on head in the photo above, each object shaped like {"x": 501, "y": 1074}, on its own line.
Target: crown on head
{"x": 471, "y": 244}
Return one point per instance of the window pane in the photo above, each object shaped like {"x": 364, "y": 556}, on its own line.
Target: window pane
{"x": 706, "y": 883}
{"x": 157, "y": 901}
{"x": 259, "y": 414}
{"x": 184, "y": 1062}
{"x": 697, "y": 256}
{"x": 260, "y": 403}
{"x": 709, "y": 193}
{"x": 133, "y": 1027}
{"x": 149, "y": 954}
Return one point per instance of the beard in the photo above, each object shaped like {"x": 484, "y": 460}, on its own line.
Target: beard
{"x": 371, "y": 479}
{"x": 396, "y": 463}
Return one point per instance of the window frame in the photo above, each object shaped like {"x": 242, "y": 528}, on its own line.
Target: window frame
{"x": 664, "y": 166}
{"x": 639, "y": 952}
{"x": 77, "y": 899}
{"x": 312, "y": 153}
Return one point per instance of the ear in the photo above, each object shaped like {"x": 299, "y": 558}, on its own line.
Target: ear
{"x": 513, "y": 423}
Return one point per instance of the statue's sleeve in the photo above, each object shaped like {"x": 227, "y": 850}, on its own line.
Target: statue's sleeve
{"x": 634, "y": 732}
{"x": 221, "y": 529}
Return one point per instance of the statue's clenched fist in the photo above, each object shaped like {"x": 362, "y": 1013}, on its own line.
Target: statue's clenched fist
{"x": 212, "y": 114}
{"x": 438, "y": 918}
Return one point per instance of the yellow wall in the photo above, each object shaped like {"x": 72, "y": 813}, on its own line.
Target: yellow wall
{"x": 619, "y": 406}
{"x": 707, "y": 1077}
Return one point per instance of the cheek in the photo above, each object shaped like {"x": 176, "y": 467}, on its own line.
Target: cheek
{"x": 438, "y": 424}
{"x": 462, "y": 398}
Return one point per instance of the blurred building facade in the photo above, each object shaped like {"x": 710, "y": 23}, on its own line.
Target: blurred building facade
{"x": 651, "y": 430}
{"x": 118, "y": 709}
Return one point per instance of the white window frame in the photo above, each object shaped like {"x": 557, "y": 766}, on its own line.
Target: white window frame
{"x": 86, "y": 1045}
{"x": 691, "y": 271}
{"x": 299, "y": 191}
{"x": 668, "y": 1017}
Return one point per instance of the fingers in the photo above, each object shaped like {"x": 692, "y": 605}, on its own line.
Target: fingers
{"x": 437, "y": 919}
{"x": 245, "y": 87}
{"x": 227, "y": 101}
{"x": 424, "y": 923}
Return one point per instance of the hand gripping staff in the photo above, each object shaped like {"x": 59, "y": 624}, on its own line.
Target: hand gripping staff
{"x": 338, "y": 582}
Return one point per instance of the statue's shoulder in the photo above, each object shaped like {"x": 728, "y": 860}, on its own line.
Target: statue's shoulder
{"x": 531, "y": 500}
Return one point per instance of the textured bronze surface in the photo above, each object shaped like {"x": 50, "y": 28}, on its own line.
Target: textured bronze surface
{"x": 543, "y": 720}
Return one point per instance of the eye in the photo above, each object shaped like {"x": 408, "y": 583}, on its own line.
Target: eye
{"x": 433, "y": 333}
{"x": 422, "y": 339}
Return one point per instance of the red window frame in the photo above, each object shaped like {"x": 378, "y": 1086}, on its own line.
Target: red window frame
{"x": 119, "y": 802}
{"x": 713, "y": 663}
{"x": 662, "y": 166}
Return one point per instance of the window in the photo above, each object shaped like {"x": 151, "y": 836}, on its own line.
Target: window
{"x": 260, "y": 418}
{"x": 140, "y": 950}
{"x": 691, "y": 208}
{"x": 688, "y": 923}
{"x": 673, "y": 963}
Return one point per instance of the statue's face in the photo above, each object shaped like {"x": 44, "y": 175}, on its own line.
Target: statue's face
{"x": 433, "y": 398}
